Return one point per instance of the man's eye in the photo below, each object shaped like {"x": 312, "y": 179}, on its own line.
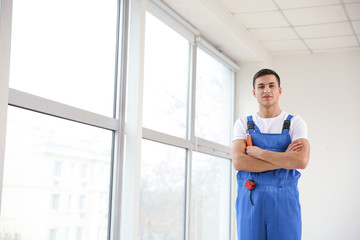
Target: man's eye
{"x": 260, "y": 86}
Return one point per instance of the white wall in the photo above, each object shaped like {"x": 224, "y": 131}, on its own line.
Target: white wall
{"x": 325, "y": 91}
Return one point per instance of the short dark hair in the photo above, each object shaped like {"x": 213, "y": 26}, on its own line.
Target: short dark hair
{"x": 263, "y": 72}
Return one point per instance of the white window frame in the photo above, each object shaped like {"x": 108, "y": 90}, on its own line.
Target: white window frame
{"x": 5, "y": 42}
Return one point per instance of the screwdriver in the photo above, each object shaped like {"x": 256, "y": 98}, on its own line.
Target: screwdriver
{"x": 248, "y": 139}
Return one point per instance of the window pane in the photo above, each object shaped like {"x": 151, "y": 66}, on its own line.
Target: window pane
{"x": 210, "y": 197}
{"x": 65, "y": 51}
{"x": 166, "y": 79}
{"x": 214, "y": 86}
{"x": 44, "y": 192}
{"x": 162, "y": 192}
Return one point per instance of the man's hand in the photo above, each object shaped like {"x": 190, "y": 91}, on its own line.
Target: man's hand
{"x": 245, "y": 162}
{"x": 253, "y": 151}
{"x": 295, "y": 146}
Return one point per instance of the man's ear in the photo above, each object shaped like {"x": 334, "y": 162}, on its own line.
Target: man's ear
{"x": 280, "y": 90}
{"x": 254, "y": 94}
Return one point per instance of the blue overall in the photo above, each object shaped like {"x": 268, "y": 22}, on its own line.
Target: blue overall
{"x": 275, "y": 213}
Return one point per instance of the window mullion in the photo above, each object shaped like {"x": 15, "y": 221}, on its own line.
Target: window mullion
{"x": 191, "y": 135}
{"x": 134, "y": 105}
{"x": 5, "y": 40}
{"x": 119, "y": 114}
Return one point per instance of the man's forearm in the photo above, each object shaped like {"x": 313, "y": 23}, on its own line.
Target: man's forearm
{"x": 244, "y": 162}
{"x": 295, "y": 157}
{"x": 247, "y": 163}
{"x": 286, "y": 160}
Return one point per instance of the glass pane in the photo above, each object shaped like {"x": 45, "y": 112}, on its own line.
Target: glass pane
{"x": 56, "y": 178}
{"x": 166, "y": 79}
{"x": 162, "y": 192}
{"x": 214, "y": 87}
{"x": 210, "y": 197}
{"x": 65, "y": 51}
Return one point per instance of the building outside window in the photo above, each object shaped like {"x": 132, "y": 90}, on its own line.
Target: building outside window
{"x": 29, "y": 194}
{"x": 57, "y": 169}
{"x": 53, "y": 234}
{"x": 67, "y": 64}
{"x": 55, "y": 199}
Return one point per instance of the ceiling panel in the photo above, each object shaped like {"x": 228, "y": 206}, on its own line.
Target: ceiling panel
{"x": 284, "y": 45}
{"x": 318, "y": 15}
{"x": 356, "y": 25}
{"x": 353, "y": 10}
{"x": 290, "y": 52}
{"x": 324, "y": 30}
{"x": 284, "y": 33}
{"x": 261, "y": 20}
{"x": 336, "y": 50}
{"x": 328, "y": 43}
{"x": 249, "y": 6}
{"x": 350, "y": 1}
{"x": 286, "y": 4}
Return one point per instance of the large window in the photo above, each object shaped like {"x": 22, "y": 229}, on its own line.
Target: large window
{"x": 44, "y": 192}
{"x": 185, "y": 187}
{"x": 162, "y": 209}
{"x": 64, "y": 51}
{"x": 210, "y": 197}
{"x": 214, "y": 101}
{"x": 166, "y": 78}
{"x": 61, "y": 120}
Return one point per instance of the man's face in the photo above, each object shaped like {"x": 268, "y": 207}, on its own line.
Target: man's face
{"x": 267, "y": 90}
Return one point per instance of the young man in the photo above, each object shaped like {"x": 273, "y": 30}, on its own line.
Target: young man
{"x": 267, "y": 149}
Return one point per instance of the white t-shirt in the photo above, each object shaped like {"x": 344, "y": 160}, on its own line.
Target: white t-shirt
{"x": 297, "y": 130}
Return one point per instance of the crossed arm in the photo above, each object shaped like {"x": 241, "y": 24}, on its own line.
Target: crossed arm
{"x": 255, "y": 159}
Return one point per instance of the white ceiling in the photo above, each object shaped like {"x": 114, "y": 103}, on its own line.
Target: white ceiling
{"x": 300, "y": 26}
{"x": 258, "y": 30}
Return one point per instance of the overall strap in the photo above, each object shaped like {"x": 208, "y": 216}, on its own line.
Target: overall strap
{"x": 250, "y": 123}
{"x": 251, "y": 126}
{"x": 286, "y": 125}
